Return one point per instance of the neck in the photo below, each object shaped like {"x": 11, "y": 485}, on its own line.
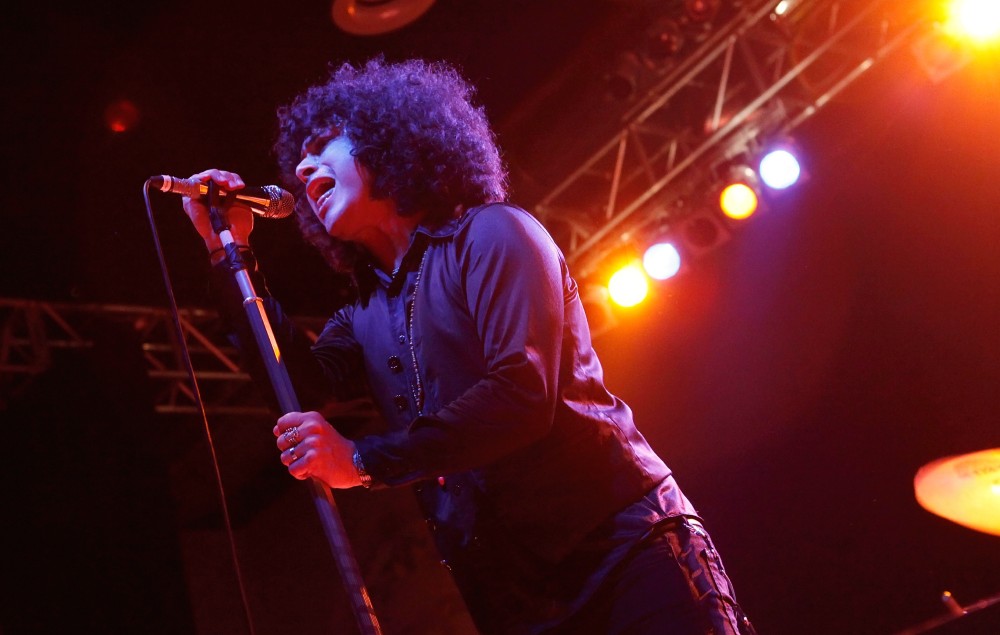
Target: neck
{"x": 389, "y": 244}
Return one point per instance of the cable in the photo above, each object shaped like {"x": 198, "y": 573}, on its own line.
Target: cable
{"x": 186, "y": 355}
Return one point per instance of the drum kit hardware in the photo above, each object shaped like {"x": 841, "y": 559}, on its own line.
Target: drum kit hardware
{"x": 964, "y": 489}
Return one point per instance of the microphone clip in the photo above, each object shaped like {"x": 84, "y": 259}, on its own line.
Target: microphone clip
{"x": 217, "y": 208}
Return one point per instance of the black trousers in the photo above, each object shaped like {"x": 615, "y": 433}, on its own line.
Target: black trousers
{"x": 672, "y": 583}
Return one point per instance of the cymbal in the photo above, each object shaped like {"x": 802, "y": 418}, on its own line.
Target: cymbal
{"x": 963, "y": 488}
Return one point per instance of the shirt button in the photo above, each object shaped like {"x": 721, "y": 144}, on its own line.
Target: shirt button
{"x": 402, "y": 403}
{"x": 395, "y": 365}
{"x": 402, "y": 339}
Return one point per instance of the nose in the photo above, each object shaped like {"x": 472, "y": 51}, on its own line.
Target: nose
{"x": 305, "y": 168}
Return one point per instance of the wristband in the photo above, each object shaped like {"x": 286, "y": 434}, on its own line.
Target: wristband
{"x": 366, "y": 478}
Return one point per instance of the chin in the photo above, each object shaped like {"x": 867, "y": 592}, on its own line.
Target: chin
{"x": 334, "y": 231}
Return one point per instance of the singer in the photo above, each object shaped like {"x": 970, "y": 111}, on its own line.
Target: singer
{"x": 467, "y": 332}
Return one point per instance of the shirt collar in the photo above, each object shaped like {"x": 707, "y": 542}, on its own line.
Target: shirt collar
{"x": 369, "y": 276}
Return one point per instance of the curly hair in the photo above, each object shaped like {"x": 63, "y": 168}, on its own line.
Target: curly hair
{"x": 415, "y": 129}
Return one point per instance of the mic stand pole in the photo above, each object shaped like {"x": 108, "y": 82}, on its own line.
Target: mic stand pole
{"x": 336, "y": 535}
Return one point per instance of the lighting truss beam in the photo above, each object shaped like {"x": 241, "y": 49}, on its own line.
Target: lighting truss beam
{"x": 758, "y": 76}
{"x": 32, "y": 331}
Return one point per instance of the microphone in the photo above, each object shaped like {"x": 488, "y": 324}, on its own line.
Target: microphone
{"x": 269, "y": 201}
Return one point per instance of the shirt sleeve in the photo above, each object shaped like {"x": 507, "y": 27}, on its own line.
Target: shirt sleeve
{"x": 512, "y": 277}
{"x": 317, "y": 371}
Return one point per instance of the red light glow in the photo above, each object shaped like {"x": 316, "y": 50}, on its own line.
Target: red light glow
{"x": 121, "y": 116}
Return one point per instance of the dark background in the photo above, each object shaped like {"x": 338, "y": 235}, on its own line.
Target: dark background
{"x": 795, "y": 378}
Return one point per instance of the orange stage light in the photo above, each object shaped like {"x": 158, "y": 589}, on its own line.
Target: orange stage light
{"x": 738, "y": 201}
{"x": 976, "y": 20}
{"x": 628, "y": 286}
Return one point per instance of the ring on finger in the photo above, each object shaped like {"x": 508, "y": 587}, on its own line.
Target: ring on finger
{"x": 291, "y": 453}
{"x": 292, "y": 435}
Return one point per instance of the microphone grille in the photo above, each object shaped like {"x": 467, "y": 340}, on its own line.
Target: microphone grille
{"x": 282, "y": 202}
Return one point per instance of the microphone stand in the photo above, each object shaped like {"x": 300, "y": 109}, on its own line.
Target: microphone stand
{"x": 333, "y": 527}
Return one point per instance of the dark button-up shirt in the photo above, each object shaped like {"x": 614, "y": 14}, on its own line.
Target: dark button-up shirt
{"x": 477, "y": 354}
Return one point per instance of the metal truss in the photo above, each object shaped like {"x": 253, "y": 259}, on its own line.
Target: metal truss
{"x": 751, "y": 80}
{"x": 32, "y": 332}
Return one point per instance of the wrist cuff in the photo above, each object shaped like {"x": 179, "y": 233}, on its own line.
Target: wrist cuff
{"x": 366, "y": 478}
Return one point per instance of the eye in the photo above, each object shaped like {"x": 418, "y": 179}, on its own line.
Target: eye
{"x": 315, "y": 143}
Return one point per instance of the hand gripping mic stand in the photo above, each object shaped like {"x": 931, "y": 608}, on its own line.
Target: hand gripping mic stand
{"x": 350, "y": 574}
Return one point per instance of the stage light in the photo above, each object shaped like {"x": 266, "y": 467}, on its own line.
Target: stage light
{"x": 661, "y": 261}
{"x": 783, "y": 8}
{"x": 623, "y": 78}
{"x": 739, "y": 198}
{"x": 121, "y": 116}
{"x": 738, "y": 201}
{"x": 779, "y": 169}
{"x": 940, "y": 52}
{"x": 701, "y": 10}
{"x": 702, "y": 232}
{"x": 663, "y": 40}
{"x": 376, "y": 17}
{"x": 977, "y": 20}
{"x": 628, "y": 286}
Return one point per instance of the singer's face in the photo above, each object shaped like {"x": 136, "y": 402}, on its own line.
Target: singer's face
{"x": 338, "y": 189}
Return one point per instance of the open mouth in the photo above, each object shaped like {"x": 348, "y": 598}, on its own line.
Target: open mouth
{"x": 320, "y": 190}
